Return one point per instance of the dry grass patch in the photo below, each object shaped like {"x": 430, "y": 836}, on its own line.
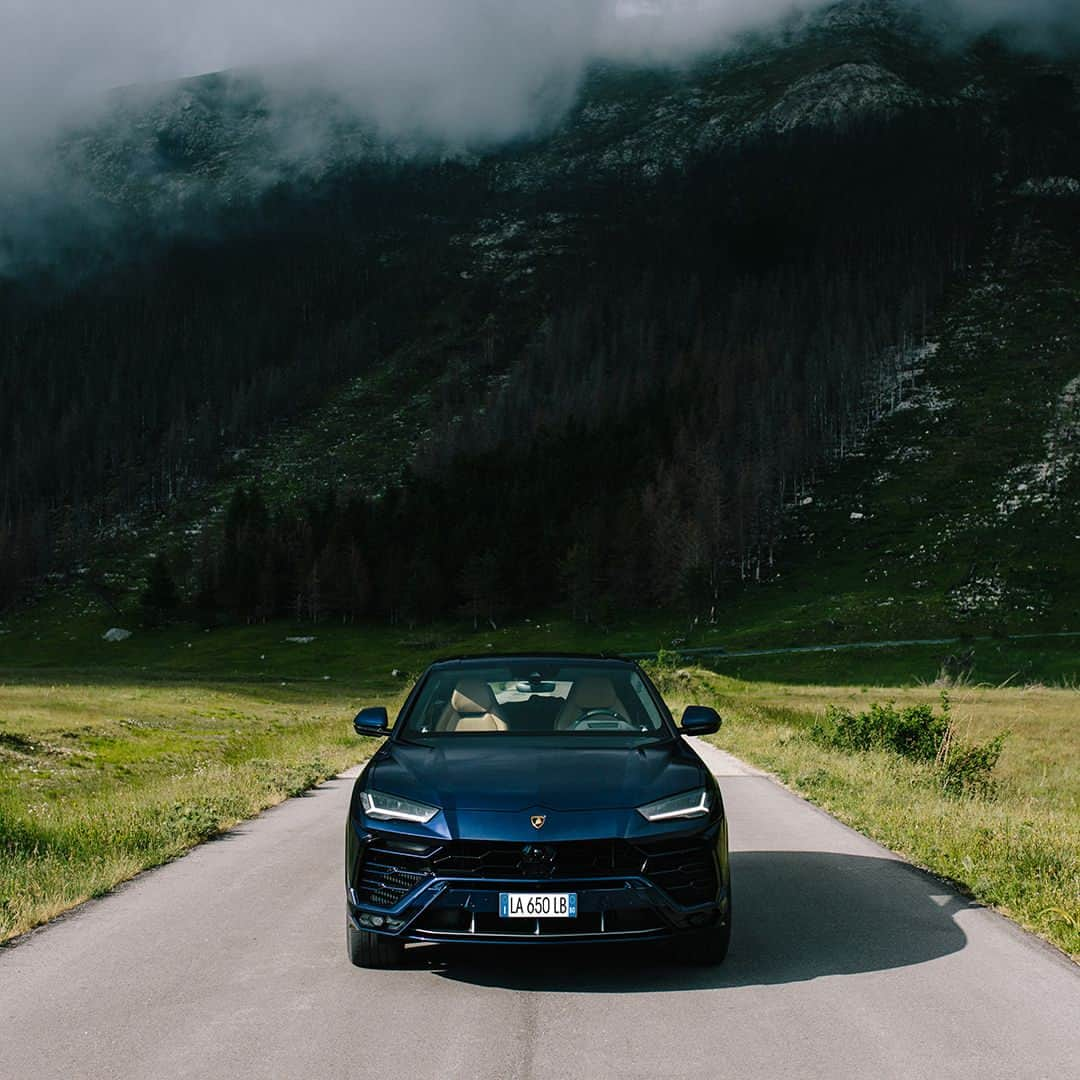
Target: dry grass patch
{"x": 1018, "y": 851}
{"x": 99, "y": 782}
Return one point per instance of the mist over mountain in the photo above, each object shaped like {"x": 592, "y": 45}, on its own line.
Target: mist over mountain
{"x": 307, "y": 89}
{"x": 57, "y": 56}
{"x": 469, "y": 72}
{"x": 681, "y": 273}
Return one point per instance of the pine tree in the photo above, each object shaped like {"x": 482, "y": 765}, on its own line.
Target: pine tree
{"x": 160, "y": 598}
{"x": 479, "y": 583}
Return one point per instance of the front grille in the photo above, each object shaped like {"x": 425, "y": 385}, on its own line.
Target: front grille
{"x": 684, "y": 869}
{"x": 568, "y": 859}
{"x": 390, "y": 869}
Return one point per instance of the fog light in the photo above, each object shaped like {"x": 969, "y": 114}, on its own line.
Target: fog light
{"x": 377, "y": 920}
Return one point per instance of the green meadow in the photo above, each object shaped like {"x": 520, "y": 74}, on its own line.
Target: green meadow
{"x": 116, "y": 757}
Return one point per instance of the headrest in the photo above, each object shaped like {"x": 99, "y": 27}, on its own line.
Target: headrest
{"x": 472, "y": 696}
{"x": 594, "y": 692}
{"x": 487, "y": 722}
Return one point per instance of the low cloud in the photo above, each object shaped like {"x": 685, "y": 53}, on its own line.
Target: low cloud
{"x": 462, "y": 71}
{"x": 469, "y": 68}
{"x": 462, "y": 68}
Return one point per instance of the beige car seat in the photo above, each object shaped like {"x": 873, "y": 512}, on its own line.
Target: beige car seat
{"x": 472, "y": 708}
{"x": 593, "y": 692}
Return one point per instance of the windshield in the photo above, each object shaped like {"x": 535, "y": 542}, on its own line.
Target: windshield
{"x": 583, "y": 701}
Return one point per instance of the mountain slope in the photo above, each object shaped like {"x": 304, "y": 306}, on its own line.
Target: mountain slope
{"x": 686, "y": 295}
{"x": 959, "y": 513}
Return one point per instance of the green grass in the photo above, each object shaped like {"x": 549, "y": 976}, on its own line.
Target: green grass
{"x": 1018, "y": 852}
{"x": 115, "y": 757}
{"x": 100, "y": 780}
{"x": 1048, "y": 660}
{"x": 118, "y": 757}
{"x": 53, "y": 636}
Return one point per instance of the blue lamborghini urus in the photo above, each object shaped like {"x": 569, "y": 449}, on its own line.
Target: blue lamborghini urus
{"x": 537, "y": 800}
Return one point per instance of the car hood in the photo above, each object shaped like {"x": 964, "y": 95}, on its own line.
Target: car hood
{"x": 499, "y": 774}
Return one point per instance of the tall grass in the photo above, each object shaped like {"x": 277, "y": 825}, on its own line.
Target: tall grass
{"x": 100, "y": 781}
{"x": 85, "y": 806}
{"x": 1017, "y": 849}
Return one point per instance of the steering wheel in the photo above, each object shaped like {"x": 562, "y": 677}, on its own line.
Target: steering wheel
{"x": 595, "y": 714}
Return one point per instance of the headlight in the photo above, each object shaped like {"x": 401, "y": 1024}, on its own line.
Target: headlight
{"x": 689, "y": 804}
{"x": 383, "y": 807}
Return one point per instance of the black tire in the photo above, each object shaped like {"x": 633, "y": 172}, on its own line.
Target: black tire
{"x": 370, "y": 950}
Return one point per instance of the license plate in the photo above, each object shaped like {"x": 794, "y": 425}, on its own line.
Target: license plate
{"x": 562, "y": 905}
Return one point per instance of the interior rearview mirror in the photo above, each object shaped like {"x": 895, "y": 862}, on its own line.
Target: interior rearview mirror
{"x": 700, "y": 720}
{"x": 373, "y": 721}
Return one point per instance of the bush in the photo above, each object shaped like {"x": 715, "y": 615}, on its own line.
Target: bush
{"x": 968, "y": 770}
{"x": 666, "y": 674}
{"x": 919, "y": 734}
{"x": 916, "y": 732}
{"x": 666, "y": 660}
{"x": 195, "y": 820}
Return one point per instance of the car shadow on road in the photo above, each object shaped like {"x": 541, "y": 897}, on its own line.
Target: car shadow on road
{"x": 799, "y": 915}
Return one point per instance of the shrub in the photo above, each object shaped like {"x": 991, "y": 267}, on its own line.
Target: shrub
{"x": 194, "y": 820}
{"x": 968, "y": 770}
{"x": 917, "y": 733}
{"x": 666, "y": 660}
{"x": 666, "y": 674}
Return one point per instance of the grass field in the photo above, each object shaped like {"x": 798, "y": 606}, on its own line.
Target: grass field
{"x": 1018, "y": 852}
{"x": 54, "y": 636}
{"x": 100, "y": 780}
{"x": 117, "y": 757}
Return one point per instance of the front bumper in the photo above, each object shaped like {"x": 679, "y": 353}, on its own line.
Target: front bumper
{"x": 678, "y": 885}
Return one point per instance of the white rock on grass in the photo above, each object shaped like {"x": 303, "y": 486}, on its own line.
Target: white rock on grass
{"x": 116, "y": 634}
{"x": 300, "y": 640}
{"x": 1039, "y": 482}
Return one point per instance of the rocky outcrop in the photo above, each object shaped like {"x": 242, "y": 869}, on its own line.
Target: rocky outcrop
{"x": 834, "y": 97}
{"x": 225, "y": 138}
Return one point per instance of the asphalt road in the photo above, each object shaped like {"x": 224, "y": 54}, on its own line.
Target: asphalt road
{"x": 845, "y": 962}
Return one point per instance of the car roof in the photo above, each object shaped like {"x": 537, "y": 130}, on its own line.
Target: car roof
{"x": 488, "y": 659}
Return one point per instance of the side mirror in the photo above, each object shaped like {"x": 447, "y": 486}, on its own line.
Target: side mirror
{"x": 373, "y": 721}
{"x": 700, "y": 720}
